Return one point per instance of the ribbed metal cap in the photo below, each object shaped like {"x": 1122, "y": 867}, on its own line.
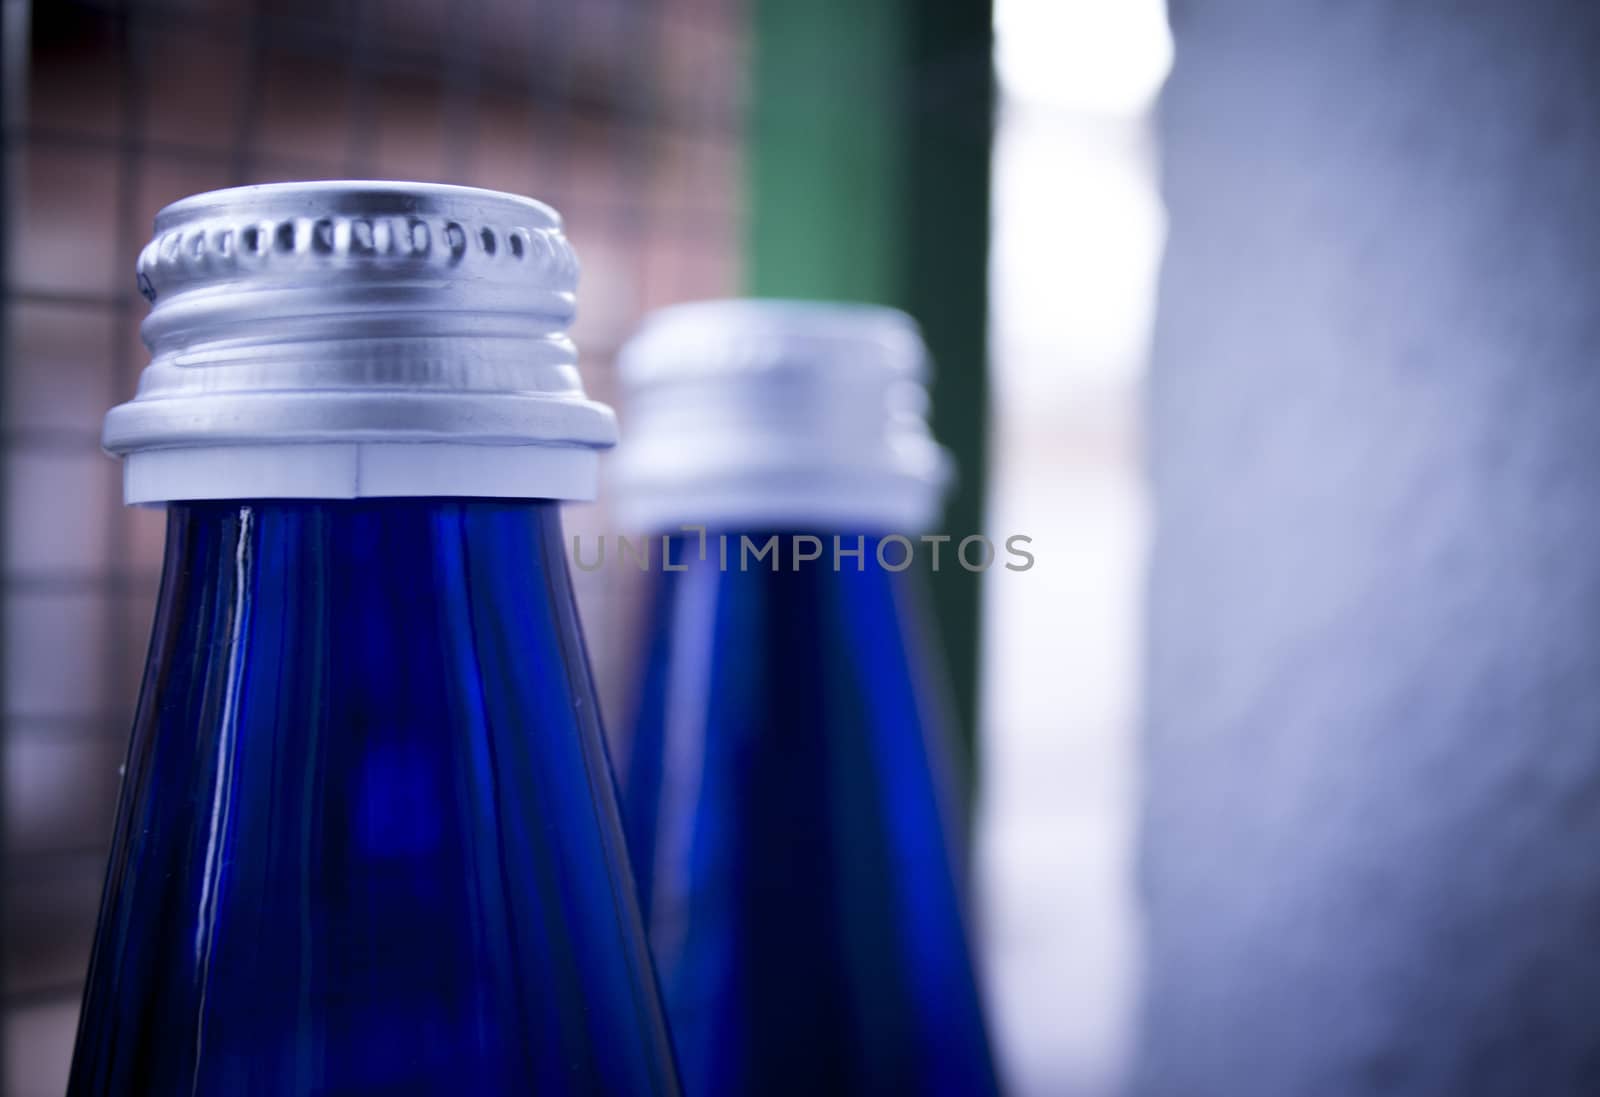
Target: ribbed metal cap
{"x": 762, "y": 413}
{"x": 342, "y": 339}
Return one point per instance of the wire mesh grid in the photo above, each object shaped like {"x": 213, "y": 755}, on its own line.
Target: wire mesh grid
{"x": 623, "y": 114}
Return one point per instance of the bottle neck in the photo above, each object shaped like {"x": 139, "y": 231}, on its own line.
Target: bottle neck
{"x": 364, "y": 601}
{"x": 393, "y": 563}
{"x": 824, "y": 644}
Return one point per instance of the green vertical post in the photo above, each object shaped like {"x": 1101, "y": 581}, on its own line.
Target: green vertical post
{"x": 868, "y": 175}
{"x": 829, "y": 151}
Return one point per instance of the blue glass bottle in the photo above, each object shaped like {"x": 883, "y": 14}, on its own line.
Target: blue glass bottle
{"x": 368, "y": 842}
{"x": 787, "y": 793}
{"x": 368, "y": 839}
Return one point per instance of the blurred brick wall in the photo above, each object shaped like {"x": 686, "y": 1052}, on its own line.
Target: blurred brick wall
{"x": 623, "y": 115}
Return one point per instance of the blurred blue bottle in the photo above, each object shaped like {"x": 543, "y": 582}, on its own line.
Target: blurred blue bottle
{"x": 787, "y": 793}
{"x": 368, "y": 841}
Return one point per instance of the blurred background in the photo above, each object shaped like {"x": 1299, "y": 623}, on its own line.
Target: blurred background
{"x": 1273, "y": 325}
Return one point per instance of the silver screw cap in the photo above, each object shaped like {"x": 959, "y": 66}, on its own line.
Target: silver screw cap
{"x": 350, "y": 339}
{"x": 755, "y": 414}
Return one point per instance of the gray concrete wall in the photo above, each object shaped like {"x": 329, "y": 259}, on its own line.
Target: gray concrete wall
{"x": 1371, "y": 845}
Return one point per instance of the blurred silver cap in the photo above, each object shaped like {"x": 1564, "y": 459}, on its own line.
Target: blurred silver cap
{"x": 345, "y": 339}
{"x": 767, "y": 413}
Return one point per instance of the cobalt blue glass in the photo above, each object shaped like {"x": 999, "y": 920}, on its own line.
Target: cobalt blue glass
{"x": 368, "y": 840}
{"x": 786, "y": 802}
